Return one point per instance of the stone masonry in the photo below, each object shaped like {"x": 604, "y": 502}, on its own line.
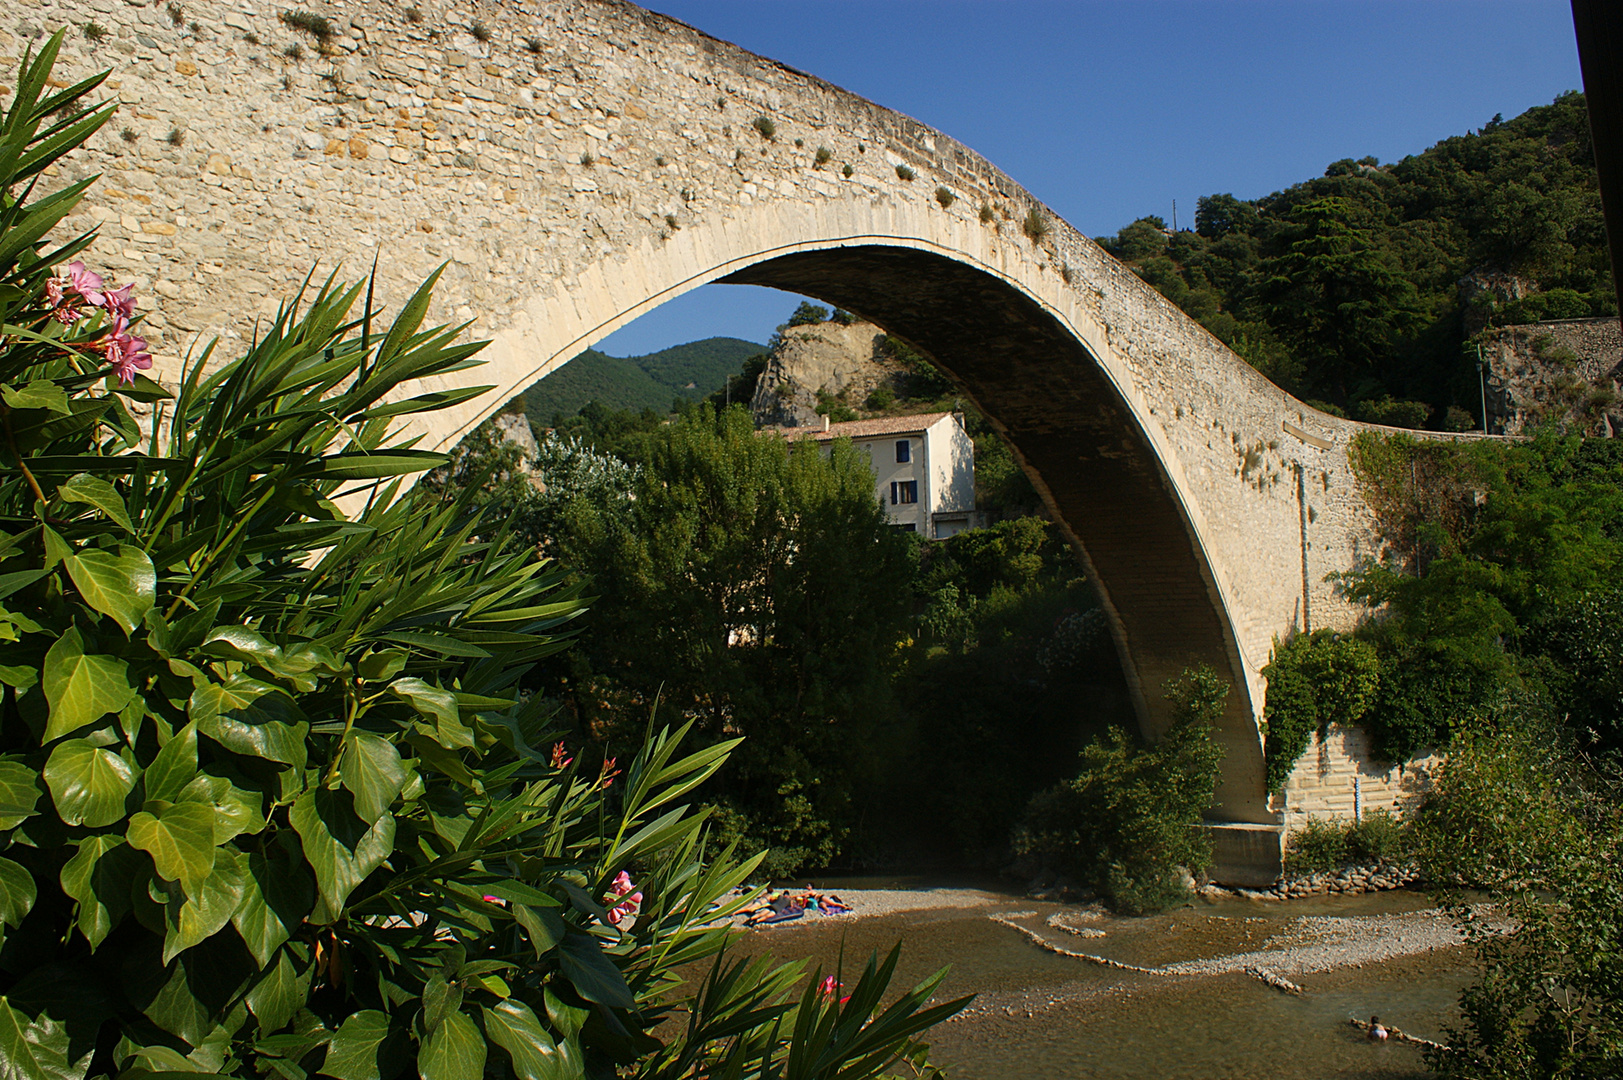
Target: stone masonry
{"x": 574, "y": 164}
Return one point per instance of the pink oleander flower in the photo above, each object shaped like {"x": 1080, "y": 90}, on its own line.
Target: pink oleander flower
{"x": 630, "y": 901}
{"x": 125, "y": 353}
{"x": 121, "y": 301}
{"x": 560, "y": 757}
{"x": 829, "y": 989}
{"x": 86, "y": 283}
{"x": 608, "y": 773}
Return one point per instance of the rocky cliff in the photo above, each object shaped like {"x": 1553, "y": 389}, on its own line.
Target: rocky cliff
{"x": 824, "y": 363}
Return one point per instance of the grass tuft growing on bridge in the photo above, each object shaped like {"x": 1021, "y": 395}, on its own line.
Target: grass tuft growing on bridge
{"x": 316, "y": 26}
{"x": 765, "y": 126}
{"x": 1035, "y": 225}
{"x": 904, "y": 173}
{"x": 945, "y": 198}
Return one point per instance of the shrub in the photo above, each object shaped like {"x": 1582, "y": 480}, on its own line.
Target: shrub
{"x": 128, "y": 135}
{"x": 1457, "y": 419}
{"x": 1393, "y": 413}
{"x": 904, "y": 173}
{"x": 587, "y": 159}
{"x": 808, "y": 314}
{"x": 533, "y": 44}
{"x": 316, "y": 26}
{"x": 945, "y": 198}
{"x": 177, "y": 14}
{"x": 94, "y": 32}
{"x": 1314, "y": 680}
{"x": 175, "y": 138}
{"x": 1130, "y": 818}
{"x": 1378, "y": 838}
{"x": 295, "y": 51}
{"x": 1035, "y": 225}
{"x": 880, "y": 399}
{"x": 414, "y": 14}
{"x": 765, "y": 126}
{"x": 823, "y": 156}
{"x": 1318, "y": 847}
{"x": 273, "y": 802}
{"x": 480, "y": 32}
{"x": 988, "y": 215}
{"x": 848, "y": 171}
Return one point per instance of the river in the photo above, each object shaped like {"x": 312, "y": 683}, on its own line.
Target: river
{"x": 1041, "y": 1014}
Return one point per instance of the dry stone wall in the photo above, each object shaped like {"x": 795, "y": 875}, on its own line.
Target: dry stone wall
{"x": 575, "y": 163}
{"x": 1569, "y": 370}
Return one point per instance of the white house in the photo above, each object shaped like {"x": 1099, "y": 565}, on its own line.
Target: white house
{"x": 924, "y": 468}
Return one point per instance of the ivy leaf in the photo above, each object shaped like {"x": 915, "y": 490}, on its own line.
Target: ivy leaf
{"x": 88, "y": 783}
{"x": 276, "y": 898}
{"x": 180, "y": 839}
{"x": 81, "y": 687}
{"x": 39, "y": 394}
{"x": 251, "y": 718}
{"x": 544, "y": 927}
{"x": 19, "y": 791}
{"x": 93, "y": 490}
{"x": 378, "y": 666}
{"x": 454, "y": 1051}
{"x": 353, "y": 1052}
{"x": 120, "y": 583}
{"x": 99, "y": 878}
{"x": 449, "y": 730}
{"x": 339, "y": 846}
{"x": 513, "y": 1026}
{"x": 17, "y": 893}
{"x": 372, "y": 771}
{"x": 198, "y": 915}
{"x": 595, "y": 977}
{"x": 236, "y": 811}
{"x": 36, "y": 1049}
{"x": 279, "y": 994}
{"x": 174, "y": 766}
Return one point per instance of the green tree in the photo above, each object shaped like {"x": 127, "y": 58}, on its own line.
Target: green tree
{"x": 1335, "y": 295}
{"x": 1515, "y": 813}
{"x": 757, "y": 588}
{"x": 1130, "y": 818}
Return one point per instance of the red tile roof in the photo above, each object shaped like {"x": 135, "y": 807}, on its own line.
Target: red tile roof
{"x": 864, "y": 429}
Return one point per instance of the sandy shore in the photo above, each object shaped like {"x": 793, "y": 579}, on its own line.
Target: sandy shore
{"x": 869, "y": 903}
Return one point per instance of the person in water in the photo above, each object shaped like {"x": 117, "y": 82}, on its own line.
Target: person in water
{"x": 1377, "y": 1033}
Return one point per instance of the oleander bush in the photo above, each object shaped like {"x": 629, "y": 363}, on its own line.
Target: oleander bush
{"x": 272, "y": 799}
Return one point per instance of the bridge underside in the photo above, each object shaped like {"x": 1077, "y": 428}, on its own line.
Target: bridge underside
{"x": 1076, "y": 436}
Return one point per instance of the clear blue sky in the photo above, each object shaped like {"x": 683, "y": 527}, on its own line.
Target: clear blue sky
{"x": 1108, "y": 110}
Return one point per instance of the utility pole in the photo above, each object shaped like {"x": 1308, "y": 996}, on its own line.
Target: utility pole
{"x": 1482, "y": 379}
{"x": 1174, "y": 215}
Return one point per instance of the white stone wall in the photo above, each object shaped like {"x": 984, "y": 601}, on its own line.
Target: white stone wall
{"x": 951, "y": 454}
{"x": 1338, "y": 779}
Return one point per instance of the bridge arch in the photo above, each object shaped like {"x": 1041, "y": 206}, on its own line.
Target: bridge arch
{"x": 582, "y": 161}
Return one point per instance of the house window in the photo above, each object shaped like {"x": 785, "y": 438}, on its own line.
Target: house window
{"x": 904, "y": 451}
{"x": 909, "y": 527}
{"x": 907, "y": 489}
{"x": 893, "y": 493}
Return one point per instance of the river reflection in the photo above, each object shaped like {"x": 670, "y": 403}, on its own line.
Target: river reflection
{"x": 1043, "y": 1015}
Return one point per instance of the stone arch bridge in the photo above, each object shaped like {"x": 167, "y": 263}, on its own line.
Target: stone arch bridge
{"x": 578, "y": 162}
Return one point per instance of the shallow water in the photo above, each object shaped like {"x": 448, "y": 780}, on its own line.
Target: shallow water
{"x": 1042, "y": 1015}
